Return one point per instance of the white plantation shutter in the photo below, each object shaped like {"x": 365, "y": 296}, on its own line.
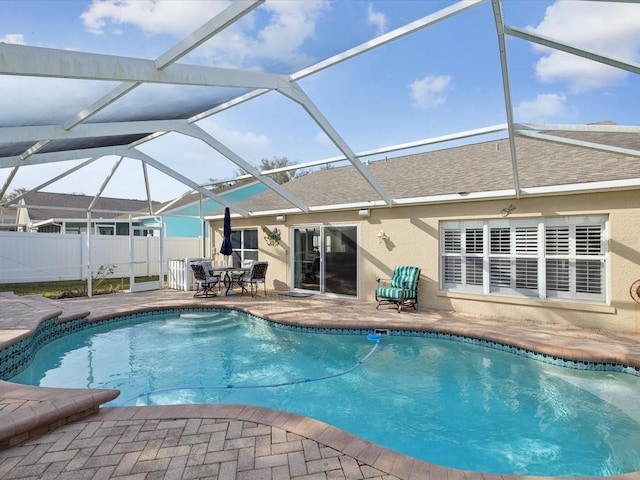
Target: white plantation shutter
{"x": 474, "y": 246}
{"x": 527, "y": 240}
{"x": 453, "y": 270}
{"x": 558, "y": 271}
{"x": 588, "y": 272}
{"x": 473, "y": 240}
{"x": 452, "y": 241}
{"x": 500, "y": 240}
{"x": 500, "y": 260}
{"x": 452, "y": 265}
{"x": 588, "y": 239}
{"x": 474, "y": 270}
{"x": 557, "y": 240}
{"x": 500, "y": 272}
{"x": 558, "y": 275}
{"x": 527, "y": 268}
{"x": 526, "y": 273}
{"x": 589, "y": 276}
{"x": 575, "y": 260}
{"x": 462, "y": 260}
{"x": 546, "y": 258}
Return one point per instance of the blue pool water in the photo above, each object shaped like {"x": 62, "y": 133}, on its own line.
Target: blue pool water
{"x": 447, "y": 402}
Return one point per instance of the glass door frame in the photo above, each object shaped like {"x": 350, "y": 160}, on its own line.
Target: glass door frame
{"x": 322, "y": 258}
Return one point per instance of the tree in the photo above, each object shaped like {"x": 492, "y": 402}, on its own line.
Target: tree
{"x": 275, "y": 163}
{"x": 216, "y": 186}
{"x": 9, "y": 196}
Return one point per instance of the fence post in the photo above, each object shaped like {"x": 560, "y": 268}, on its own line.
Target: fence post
{"x": 185, "y": 263}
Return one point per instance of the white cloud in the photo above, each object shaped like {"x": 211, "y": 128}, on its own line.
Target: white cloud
{"x": 430, "y": 92}
{"x": 251, "y": 146}
{"x": 607, "y": 28}
{"x": 151, "y": 16}
{"x": 276, "y": 33}
{"x": 377, "y": 19}
{"x": 274, "y": 37}
{"x": 14, "y": 38}
{"x": 544, "y": 107}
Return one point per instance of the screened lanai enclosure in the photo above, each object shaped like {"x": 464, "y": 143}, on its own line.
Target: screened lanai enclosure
{"x": 155, "y": 100}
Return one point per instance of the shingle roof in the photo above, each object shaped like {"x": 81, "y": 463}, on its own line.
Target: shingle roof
{"x": 480, "y": 167}
{"x": 66, "y": 205}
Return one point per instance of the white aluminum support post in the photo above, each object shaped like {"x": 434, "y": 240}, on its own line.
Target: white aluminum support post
{"x": 203, "y": 230}
{"x": 132, "y": 263}
{"x": 161, "y": 266}
{"x": 502, "y": 45}
{"x": 89, "y": 275}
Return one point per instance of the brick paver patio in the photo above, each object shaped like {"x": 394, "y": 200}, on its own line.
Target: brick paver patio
{"x": 233, "y": 441}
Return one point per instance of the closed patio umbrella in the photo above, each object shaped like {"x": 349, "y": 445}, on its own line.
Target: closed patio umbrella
{"x": 226, "y": 249}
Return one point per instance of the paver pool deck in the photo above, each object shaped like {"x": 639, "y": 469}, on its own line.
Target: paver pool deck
{"x": 62, "y": 434}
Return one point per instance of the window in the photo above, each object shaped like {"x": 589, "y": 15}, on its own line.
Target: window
{"x": 245, "y": 245}
{"x": 560, "y": 258}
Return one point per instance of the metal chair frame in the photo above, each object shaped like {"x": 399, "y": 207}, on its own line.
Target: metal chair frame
{"x": 205, "y": 281}
{"x": 405, "y": 295}
{"x": 256, "y": 275}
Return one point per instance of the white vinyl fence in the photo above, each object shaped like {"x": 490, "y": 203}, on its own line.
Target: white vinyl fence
{"x": 180, "y": 275}
{"x": 38, "y": 257}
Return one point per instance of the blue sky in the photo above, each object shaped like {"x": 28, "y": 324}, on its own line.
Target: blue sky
{"x": 440, "y": 80}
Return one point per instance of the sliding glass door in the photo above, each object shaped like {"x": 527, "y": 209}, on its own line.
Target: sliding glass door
{"x": 325, "y": 259}
{"x": 306, "y": 258}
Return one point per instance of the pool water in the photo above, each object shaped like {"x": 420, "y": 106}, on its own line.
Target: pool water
{"x": 455, "y": 404}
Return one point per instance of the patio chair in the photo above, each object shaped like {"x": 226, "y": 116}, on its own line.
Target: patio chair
{"x": 205, "y": 281}
{"x": 401, "y": 289}
{"x": 256, "y": 275}
{"x": 246, "y": 265}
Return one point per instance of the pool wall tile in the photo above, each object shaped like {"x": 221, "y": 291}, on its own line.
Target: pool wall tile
{"x": 16, "y": 357}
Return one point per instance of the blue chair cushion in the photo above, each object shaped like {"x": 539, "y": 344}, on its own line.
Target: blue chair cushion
{"x": 392, "y": 292}
{"x": 405, "y": 277}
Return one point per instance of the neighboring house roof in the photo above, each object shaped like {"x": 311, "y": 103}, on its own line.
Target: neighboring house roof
{"x": 232, "y": 192}
{"x": 70, "y": 206}
{"x": 481, "y": 167}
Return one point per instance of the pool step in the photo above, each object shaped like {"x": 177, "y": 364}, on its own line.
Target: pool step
{"x": 210, "y": 320}
{"x": 204, "y": 315}
{"x": 27, "y": 412}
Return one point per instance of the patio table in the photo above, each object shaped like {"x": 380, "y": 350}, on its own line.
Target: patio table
{"x": 228, "y": 279}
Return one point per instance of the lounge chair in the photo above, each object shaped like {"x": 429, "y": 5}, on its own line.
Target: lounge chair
{"x": 205, "y": 281}
{"x": 256, "y": 275}
{"x": 401, "y": 289}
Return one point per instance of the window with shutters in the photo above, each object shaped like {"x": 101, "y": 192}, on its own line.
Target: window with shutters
{"x": 575, "y": 260}
{"x": 561, "y": 258}
{"x": 462, "y": 258}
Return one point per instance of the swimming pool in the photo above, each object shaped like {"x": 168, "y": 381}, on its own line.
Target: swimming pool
{"x": 502, "y": 413}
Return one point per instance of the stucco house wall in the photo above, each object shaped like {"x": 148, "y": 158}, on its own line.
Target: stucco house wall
{"x": 412, "y": 237}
